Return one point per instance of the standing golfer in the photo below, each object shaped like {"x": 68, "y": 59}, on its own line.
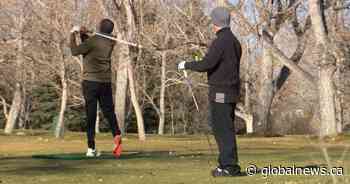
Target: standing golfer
{"x": 96, "y": 85}
{"x": 222, "y": 64}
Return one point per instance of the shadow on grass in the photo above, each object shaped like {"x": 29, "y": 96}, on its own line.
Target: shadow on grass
{"x": 125, "y": 156}
{"x": 108, "y": 156}
{"x": 73, "y": 163}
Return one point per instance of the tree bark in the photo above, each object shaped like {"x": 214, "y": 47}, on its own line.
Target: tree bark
{"x": 316, "y": 12}
{"x": 137, "y": 108}
{"x": 59, "y": 130}
{"x": 17, "y": 98}
{"x": 221, "y": 3}
{"x": 248, "y": 117}
{"x": 162, "y": 95}
{"x": 14, "y": 110}
{"x": 121, "y": 87}
{"x": 266, "y": 92}
{"x": 130, "y": 35}
{"x": 289, "y": 63}
{"x": 22, "y": 113}
{"x": 124, "y": 63}
{"x": 121, "y": 82}
{"x": 4, "y": 105}
{"x": 172, "y": 120}
{"x": 325, "y": 86}
{"x": 327, "y": 104}
{"x": 98, "y": 121}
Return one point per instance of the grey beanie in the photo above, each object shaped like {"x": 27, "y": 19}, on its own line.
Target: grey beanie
{"x": 221, "y": 17}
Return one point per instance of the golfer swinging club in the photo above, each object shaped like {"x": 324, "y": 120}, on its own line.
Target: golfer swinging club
{"x": 96, "y": 85}
{"x": 222, "y": 64}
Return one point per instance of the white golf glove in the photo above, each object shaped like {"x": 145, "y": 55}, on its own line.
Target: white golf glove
{"x": 181, "y": 65}
{"x": 75, "y": 29}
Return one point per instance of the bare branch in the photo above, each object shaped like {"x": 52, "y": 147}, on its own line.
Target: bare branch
{"x": 339, "y": 8}
{"x": 4, "y": 105}
{"x": 287, "y": 62}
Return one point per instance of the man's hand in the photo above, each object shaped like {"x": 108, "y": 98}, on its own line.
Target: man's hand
{"x": 84, "y": 30}
{"x": 181, "y": 65}
{"x": 75, "y": 29}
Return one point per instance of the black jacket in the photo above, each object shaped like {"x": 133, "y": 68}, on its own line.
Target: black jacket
{"x": 222, "y": 64}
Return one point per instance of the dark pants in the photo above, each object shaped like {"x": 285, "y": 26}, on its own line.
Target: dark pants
{"x": 221, "y": 119}
{"x": 99, "y": 92}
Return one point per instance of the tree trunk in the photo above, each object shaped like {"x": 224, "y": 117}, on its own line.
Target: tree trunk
{"x": 4, "y": 105}
{"x": 340, "y": 118}
{"x": 221, "y": 3}
{"x": 121, "y": 86}
{"x": 326, "y": 86}
{"x": 14, "y": 110}
{"x": 17, "y": 98}
{"x": 249, "y": 121}
{"x": 327, "y": 105}
{"x": 319, "y": 28}
{"x": 122, "y": 73}
{"x": 22, "y": 113}
{"x": 247, "y": 117}
{"x": 97, "y": 127}
{"x": 266, "y": 93}
{"x": 296, "y": 69}
{"x": 339, "y": 101}
{"x": 121, "y": 81}
{"x": 59, "y": 130}
{"x": 162, "y": 96}
{"x": 137, "y": 108}
{"x": 172, "y": 120}
{"x": 130, "y": 35}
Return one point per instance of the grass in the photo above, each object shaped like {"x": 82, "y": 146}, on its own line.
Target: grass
{"x": 35, "y": 158}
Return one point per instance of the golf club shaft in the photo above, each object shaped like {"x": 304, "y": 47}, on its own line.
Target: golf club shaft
{"x": 118, "y": 40}
{"x": 191, "y": 90}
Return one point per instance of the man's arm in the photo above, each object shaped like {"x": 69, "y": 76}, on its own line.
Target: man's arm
{"x": 81, "y": 49}
{"x": 210, "y": 60}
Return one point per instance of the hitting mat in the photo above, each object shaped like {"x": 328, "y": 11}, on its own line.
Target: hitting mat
{"x": 82, "y": 156}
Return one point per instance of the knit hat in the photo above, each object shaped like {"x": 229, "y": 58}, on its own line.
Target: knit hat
{"x": 221, "y": 17}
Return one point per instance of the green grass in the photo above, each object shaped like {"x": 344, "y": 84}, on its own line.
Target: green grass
{"x": 37, "y": 158}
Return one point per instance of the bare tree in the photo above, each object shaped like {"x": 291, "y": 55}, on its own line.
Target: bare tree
{"x": 162, "y": 94}
{"x": 125, "y": 67}
{"x": 17, "y": 98}
{"x": 163, "y": 77}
